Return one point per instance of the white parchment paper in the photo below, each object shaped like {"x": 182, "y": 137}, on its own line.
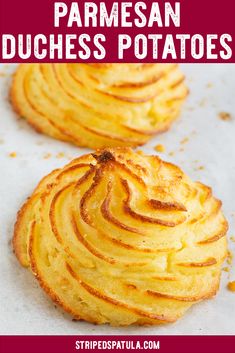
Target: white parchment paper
{"x": 208, "y": 156}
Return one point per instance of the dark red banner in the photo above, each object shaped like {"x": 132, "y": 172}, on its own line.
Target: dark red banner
{"x": 117, "y": 31}
{"x": 163, "y": 344}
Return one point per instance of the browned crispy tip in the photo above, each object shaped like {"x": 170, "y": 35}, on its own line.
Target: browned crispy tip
{"x": 168, "y": 206}
{"x": 208, "y": 262}
{"x": 222, "y": 233}
{"x": 104, "y": 157}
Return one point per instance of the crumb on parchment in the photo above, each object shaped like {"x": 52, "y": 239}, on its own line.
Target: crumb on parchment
{"x": 60, "y": 155}
{"x": 203, "y": 102}
{"x": 160, "y": 148}
{"x": 231, "y": 286}
{"x": 47, "y": 156}
{"x": 12, "y": 155}
{"x": 225, "y": 116}
{"x": 230, "y": 257}
{"x": 185, "y": 140}
{"x": 226, "y": 269}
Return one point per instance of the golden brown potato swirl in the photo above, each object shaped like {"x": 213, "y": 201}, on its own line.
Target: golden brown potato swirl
{"x": 99, "y": 105}
{"x": 120, "y": 237}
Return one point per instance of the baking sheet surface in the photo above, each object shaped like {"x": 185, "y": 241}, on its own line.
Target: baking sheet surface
{"x": 204, "y": 147}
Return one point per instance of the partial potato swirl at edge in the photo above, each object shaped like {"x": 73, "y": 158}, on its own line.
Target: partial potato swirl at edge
{"x": 121, "y": 237}
{"x": 99, "y": 105}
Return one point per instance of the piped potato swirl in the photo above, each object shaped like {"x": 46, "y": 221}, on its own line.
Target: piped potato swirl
{"x": 99, "y": 105}
{"x": 123, "y": 238}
